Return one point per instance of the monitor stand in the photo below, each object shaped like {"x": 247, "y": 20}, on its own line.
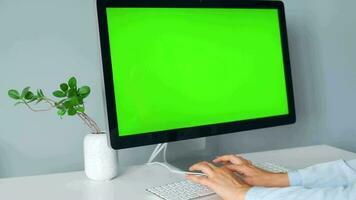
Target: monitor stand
{"x": 159, "y": 148}
{"x": 163, "y": 148}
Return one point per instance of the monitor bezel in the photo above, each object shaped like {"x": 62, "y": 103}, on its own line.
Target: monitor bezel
{"x": 122, "y": 142}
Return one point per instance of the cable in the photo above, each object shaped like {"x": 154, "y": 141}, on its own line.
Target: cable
{"x": 153, "y": 155}
{"x": 177, "y": 171}
{"x": 165, "y": 153}
{"x": 163, "y": 147}
{"x": 157, "y": 150}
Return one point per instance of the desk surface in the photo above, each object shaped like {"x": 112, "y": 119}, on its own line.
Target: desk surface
{"x": 132, "y": 182}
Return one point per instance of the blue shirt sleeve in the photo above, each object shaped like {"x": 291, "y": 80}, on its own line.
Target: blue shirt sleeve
{"x": 328, "y": 181}
{"x": 332, "y": 174}
{"x": 301, "y": 193}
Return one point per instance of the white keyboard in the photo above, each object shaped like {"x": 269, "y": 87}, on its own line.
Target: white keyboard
{"x": 183, "y": 190}
{"x": 186, "y": 190}
{"x": 271, "y": 167}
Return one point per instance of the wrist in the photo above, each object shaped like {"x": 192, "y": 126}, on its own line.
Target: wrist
{"x": 278, "y": 180}
{"x": 241, "y": 192}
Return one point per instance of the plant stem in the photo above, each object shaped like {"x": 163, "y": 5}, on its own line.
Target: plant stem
{"x": 86, "y": 122}
{"x": 37, "y": 110}
{"x": 50, "y": 101}
{"x": 90, "y": 123}
{"x": 83, "y": 116}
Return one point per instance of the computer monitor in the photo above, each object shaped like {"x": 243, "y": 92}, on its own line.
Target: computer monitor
{"x": 177, "y": 70}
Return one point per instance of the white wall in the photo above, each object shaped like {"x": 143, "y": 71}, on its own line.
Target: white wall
{"x": 322, "y": 40}
{"x": 43, "y": 43}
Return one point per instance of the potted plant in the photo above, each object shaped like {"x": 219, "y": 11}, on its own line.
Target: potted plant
{"x": 99, "y": 159}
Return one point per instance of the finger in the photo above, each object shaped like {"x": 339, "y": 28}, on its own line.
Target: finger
{"x": 241, "y": 169}
{"x": 204, "y": 163}
{"x": 200, "y": 180}
{"x": 204, "y": 167}
{"x": 223, "y": 163}
{"x": 225, "y": 158}
{"x": 211, "y": 165}
{"x": 230, "y": 158}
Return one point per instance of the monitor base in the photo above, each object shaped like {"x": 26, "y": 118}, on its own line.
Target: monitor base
{"x": 159, "y": 148}
{"x": 163, "y": 147}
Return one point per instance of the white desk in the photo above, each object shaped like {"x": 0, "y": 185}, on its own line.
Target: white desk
{"x": 132, "y": 181}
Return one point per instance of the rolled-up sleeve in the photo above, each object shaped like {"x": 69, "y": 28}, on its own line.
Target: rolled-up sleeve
{"x": 332, "y": 174}
{"x": 302, "y": 193}
{"x": 295, "y": 179}
{"x": 328, "y": 181}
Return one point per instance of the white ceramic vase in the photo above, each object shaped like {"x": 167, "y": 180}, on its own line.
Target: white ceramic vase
{"x": 100, "y": 161}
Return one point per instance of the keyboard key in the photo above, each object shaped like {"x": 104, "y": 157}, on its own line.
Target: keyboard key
{"x": 183, "y": 190}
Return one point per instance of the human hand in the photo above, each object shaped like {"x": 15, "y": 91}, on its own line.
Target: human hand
{"x": 251, "y": 174}
{"x": 221, "y": 180}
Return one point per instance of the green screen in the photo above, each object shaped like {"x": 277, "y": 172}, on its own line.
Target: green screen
{"x": 186, "y": 67}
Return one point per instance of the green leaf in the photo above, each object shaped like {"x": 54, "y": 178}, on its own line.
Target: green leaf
{"x": 34, "y": 98}
{"x": 71, "y": 93}
{"x": 72, "y": 111}
{"x": 72, "y": 83}
{"x": 80, "y": 100}
{"x": 59, "y": 94}
{"x": 24, "y": 92}
{"x": 60, "y": 102}
{"x": 29, "y": 95}
{"x": 41, "y": 93}
{"x": 61, "y": 112}
{"x": 74, "y": 101}
{"x": 80, "y": 109}
{"x": 84, "y": 91}
{"x": 39, "y": 100}
{"x": 14, "y": 94}
{"x": 61, "y": 107}
{"x": 67, "y": 104}
{"x": 64, "y": 87}
{"x": 17, "y": 103}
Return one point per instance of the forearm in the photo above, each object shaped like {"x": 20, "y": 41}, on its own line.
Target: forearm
{"x": 273, "y": 180}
